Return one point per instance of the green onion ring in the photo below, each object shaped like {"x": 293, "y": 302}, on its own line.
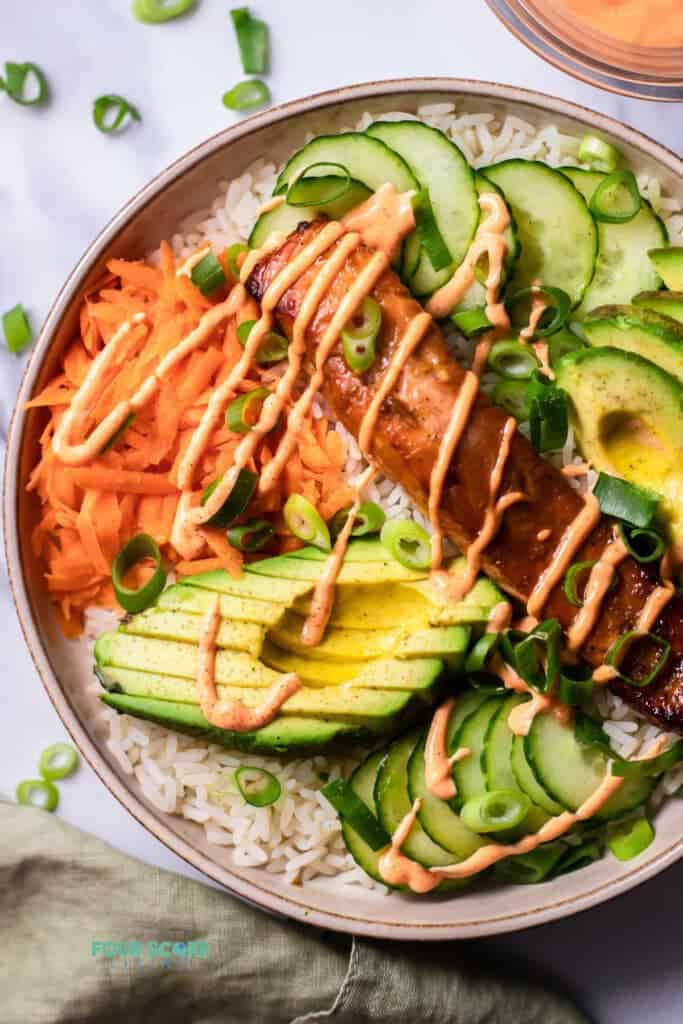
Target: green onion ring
{"x": 578, "y": 857}
{"x": 252, "y": 40}
{"x": 369, "y": 518}
{"x": 232, "y": 254}
{"x": 626, "y": 501}
{"x": 428, "y": 231}
{"x": 621, "y": 647}
{"x": 118, "y": 434}
{"x": 408, "y": 543}
{"x": 58, "y": 761}
{"x": 632, "y": 839}
{"x": 273, "y": 347}
{"x": 512, "y": 395}
{"x": 495, "y": 811}
{"x": 236, "y": 502}
{"x": 471, "y": 321}
{"x": 109, "y": 113}
{"x": 318, "y": 190}
{"x": 605, "y": 205}
{"x": 633, "y": 538}
{"x": 259, "y": 787}
{"x": 533, "y": 867}
{"x": 360, "y": 334}
{"x": 570, "y": 581}
{"x": 356, "y": 814}
{"x": 154, "y": 12}
{"x": 548, "y": 414}
{"x": 16, "y": 327}
{"x": 252, "y": 536}
{"x": 137, "y": 549}
{"x": 591, "y": 733}
{"x": 598, "y": 154}
{"x": 576, "y": 684}
{"x": 527, "y": 661}
{"x": 305, "y": 522}
{"x": 247, "y": 95}
{"x": 513, "y": 360}
{"x": 243, "y": 412}
{"x": 557, "y": 301}
{"x": 17, "y": 77}
{"x": 208, "y": 275}
{"x": 40, "y": 793}
{"x": 481, "y": 652}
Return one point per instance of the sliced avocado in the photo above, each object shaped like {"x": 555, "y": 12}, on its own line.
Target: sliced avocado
{"x": 180, "y": 597}
{"x": 392, "y": 673}
{"x": 375, "y": 606}
{"x": 654, "y": 337}
{"x": 365, "y": 549}
{"x": 669, "y": 265}
{"x": 664, "y": 303}
{"x": 628, "y": 417}
{"x": 284, "y": 735}
{"x": 447, "y": 642}
{"x": 251, "y": 584}
{"x": 170, "y": 625}
{"x": 284, "y": 567}
{"x": 373, "y": 709}
{"x": 476, "y": 606}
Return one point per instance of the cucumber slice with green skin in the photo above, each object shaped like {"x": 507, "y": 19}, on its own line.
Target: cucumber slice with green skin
{"x": 441, "y": 168}
{"x": 469, "y": 773}
{"x": 556, "y": 230}
{"x": 664, "y": 303}
{"x": 527, "y": 781}
{"x": 497, "y": 761}
{"x": 362, "y": 782}
{"x": 571, "y": 771}
{"x": 393, "y": 803}
{"x": 623, "y": 266}
{"x": 436, "y": 816}
{"x": 366, "y": 159}
{"x": 634, "y": 329}
{"x": 284, "y": 218}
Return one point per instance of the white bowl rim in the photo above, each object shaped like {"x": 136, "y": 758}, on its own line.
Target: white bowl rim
{"x": 155, "y": 823}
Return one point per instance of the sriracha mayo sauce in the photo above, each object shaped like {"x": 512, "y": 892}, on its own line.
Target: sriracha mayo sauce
{"x": 654, "y": 23}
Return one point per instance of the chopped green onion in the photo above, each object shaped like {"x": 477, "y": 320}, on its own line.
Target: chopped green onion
{"x": 631, "y": 839}
{"x": 541, "y": 645}
{"x": 318, "y": 190}
{"x": 576, "y": 684}
{"x": 208, "y": 275}
{"x": 243, "y": 412}
{"x": 622, "y": 646}
{"x": 252, "y": 39}
{"x": 359, "y": 336}
{"x": 471, "y": 321}
{"x": 273, "y": 347}
{"x": 236, "y": 502}
{"x": 137, "y": 549}
{"x": 512, "y": 395}
{"x": 598, "y": 154}
{"x": 118, "y": 434}
{"x": 40, "y": 793}
{"x": 154, "y": 12}
{"x": 616, "y": 200}
{"x": 258, "y": 787}
{"x": 562, "y": 343}
{"x": 623, "y": 500}
{"x": 253, "y": 536}
{"x": 578, "y": 857}
{"x": 305, "y": 522}
{"x": 25, "y": 84}
{"x": 428, "y": 231}
{"x": 481, "y": 652}
{"x": 58, "y": 761}
{"x": 408, "y": 543}
{"x": 495, "y": 811}
{"x": 533, "y": 867}
{"x": 651, "y": 767}
{"x": 571, "y": 580}
{"x": 370, "y": 518}
{"x": 557, "y": 302}
{"x": 548, "y": 414}
{"x": 247, "y": 95}
{"x": 232, "y": 254}
{"x": 643, "y": 545}
{"x": 352, "y": 810}
{"x": 513, "y": 360}
{"x": 110, "y": 112}
{"x": 16, "y": 327}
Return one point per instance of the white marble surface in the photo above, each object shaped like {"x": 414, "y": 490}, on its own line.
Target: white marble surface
{"x": 60, "y": 181}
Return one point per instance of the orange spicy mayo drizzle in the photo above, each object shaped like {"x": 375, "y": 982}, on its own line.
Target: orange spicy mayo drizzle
{"x": 438, "y": 764}
{"x": 572, "y": 539}
{"x": 233, "y": 714}
{"x": 651, "y": 610}
{"x": 488, "y": 241}
{"x": 500, "y": 618}
{"x": 383, "y": 220}
{"x": 599, "y": 582}
{"x": 576, "y": 469}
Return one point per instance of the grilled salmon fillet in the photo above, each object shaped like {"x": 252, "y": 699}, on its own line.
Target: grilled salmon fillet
{"x": 410, "y": 426}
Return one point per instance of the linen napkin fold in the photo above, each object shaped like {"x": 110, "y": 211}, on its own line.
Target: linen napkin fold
{"x": 89, "y": 935}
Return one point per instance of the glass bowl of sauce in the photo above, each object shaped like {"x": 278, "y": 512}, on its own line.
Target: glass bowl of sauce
{"x": 633, "y": 47}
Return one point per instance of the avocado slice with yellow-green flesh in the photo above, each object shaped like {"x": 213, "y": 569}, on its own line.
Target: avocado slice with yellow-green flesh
{"x": 665, "y": 303}
{"x": 668, "y": 263}
{"x": 627, "y": 414}
{"x": 654, "y": 337}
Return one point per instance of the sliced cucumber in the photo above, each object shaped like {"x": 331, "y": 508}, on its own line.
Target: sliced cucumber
{"x": 393, "y": 803}
{"x": 623, "y": 266}
{"x": 441, "y": 168}
{"x": 436, "y": 816}
{"x": 284, "y": 218}
{"x": 556, "y": 230}
{"x": 469, "y": 773}
{"x": 362, "y": 782}
{"x": 497, "y": 760}
{"x": 527, "y": 781}
{"x": 476, "y": 294}
{"x": 571, "y": 771}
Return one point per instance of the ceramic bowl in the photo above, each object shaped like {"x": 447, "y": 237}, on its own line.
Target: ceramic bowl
{"x": 66, "y": 671}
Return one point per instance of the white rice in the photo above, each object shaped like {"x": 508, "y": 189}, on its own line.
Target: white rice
{"x": 299, "y": 836}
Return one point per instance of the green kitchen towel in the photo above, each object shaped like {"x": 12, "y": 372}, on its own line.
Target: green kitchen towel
{"x": 69, "y": 904}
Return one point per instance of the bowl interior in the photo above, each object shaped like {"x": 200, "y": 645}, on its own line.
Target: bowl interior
{"x": 65, "y": 666}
